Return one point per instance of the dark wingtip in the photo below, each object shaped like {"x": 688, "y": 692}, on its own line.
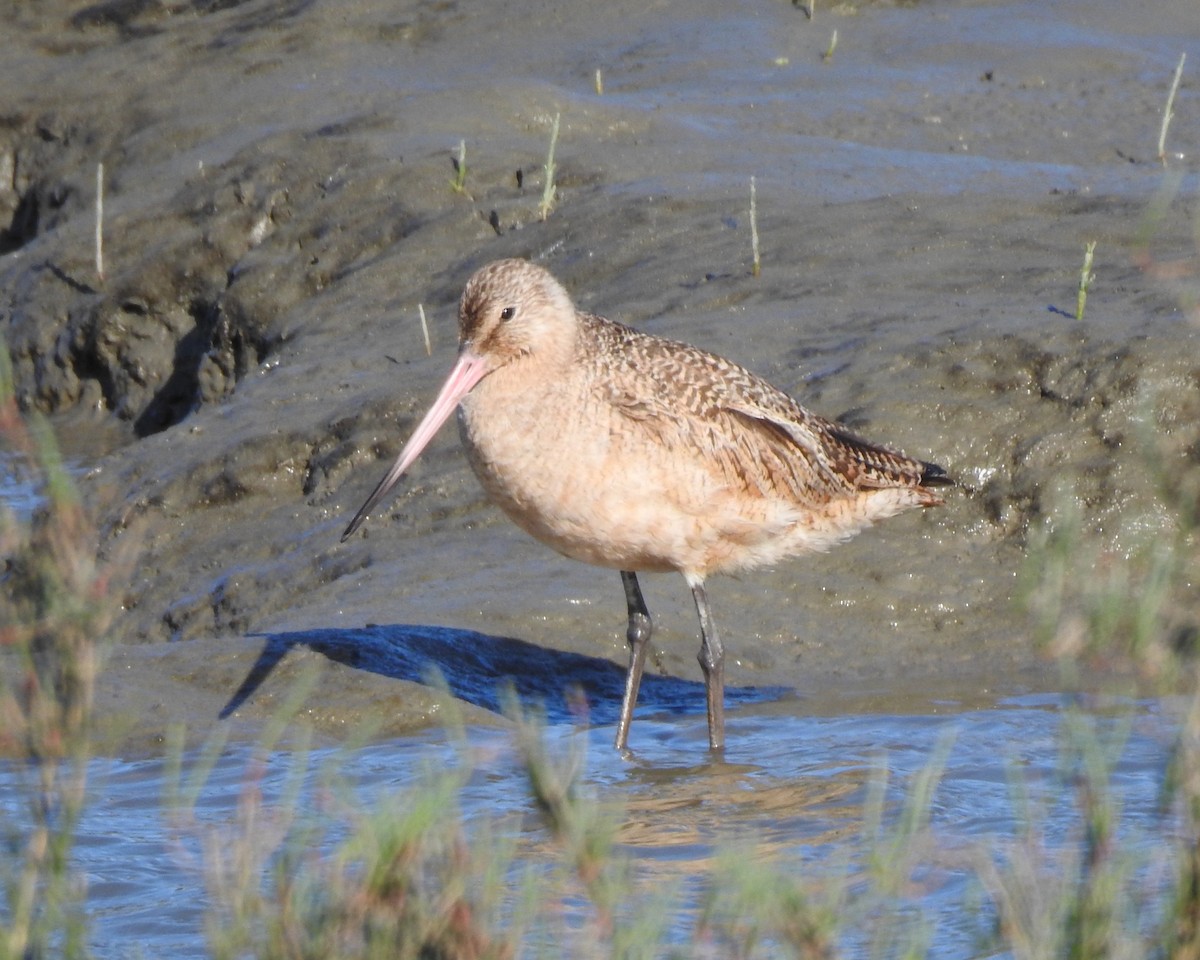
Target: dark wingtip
{"x": 935, "y": 476}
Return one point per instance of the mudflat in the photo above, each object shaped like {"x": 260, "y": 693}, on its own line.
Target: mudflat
{"x": 287, "y": 186}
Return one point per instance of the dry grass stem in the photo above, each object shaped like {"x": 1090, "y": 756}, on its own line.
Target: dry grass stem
{"x": 100, "y": 221}
{"x": 757, "y": 268}
{"x": 1169, "y": 110}
{"x": 425, "y": 330}
{"x": 548, "y": 188}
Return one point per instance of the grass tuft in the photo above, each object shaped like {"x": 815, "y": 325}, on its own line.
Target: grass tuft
{"x": 1137, "y": 615}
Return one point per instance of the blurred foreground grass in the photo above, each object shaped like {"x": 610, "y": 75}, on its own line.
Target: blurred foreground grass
{"x": 56, "y": 606}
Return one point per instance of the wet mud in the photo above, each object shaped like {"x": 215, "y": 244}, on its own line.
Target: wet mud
{"x": 279, "y": 200}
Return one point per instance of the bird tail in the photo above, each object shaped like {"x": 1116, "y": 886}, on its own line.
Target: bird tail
{"x": 933, "y": 476}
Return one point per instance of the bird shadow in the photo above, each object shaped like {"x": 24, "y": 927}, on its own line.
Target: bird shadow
{"x": 477, "y": 667}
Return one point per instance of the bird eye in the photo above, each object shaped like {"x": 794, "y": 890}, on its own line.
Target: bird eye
{"x": 508, "y": 313}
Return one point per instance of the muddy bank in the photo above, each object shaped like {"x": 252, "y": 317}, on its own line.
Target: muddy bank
{"x": 278, "y": 201}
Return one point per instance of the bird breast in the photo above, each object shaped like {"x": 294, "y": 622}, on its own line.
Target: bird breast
{"x": 551, "y": 456}
{"x": 579, "y": 474}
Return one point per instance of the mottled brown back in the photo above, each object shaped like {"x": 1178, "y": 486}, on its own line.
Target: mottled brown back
{"x": 760, "y": 436}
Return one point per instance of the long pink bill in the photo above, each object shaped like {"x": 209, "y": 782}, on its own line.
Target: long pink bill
{"x": 467, "y": 372}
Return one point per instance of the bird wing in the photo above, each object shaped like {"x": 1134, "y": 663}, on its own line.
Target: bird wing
{"x": 755, "y": 432}
{"x": 846, "y": 460}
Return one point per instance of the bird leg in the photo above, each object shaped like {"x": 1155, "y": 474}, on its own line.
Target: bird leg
{"x": 712, "y": 662}
{"x": 638, "y": 636}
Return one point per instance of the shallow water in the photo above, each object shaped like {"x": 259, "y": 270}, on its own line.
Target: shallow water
{"x": 797, "y": 784}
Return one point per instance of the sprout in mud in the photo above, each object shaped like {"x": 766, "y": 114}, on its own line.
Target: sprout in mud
{"x": 459, "y": 183}
{"x": 1085, "y": 279}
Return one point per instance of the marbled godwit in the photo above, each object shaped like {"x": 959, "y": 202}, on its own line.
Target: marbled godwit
{"x": 628, "y": 451}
